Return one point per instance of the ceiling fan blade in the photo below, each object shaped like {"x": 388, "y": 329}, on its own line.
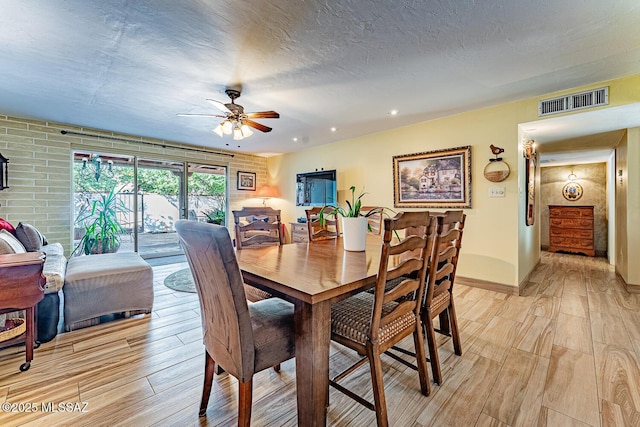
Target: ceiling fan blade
{"x": 257, "y": 125}
{"x": 263, "y": 115}
{"x": 220, "y": 105}
{"x": 199, "y": 115}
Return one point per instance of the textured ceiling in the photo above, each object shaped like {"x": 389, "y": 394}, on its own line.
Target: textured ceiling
{"x": 131, "y": 66}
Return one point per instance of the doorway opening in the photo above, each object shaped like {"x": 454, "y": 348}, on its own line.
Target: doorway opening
{"x": 146, "y": 196}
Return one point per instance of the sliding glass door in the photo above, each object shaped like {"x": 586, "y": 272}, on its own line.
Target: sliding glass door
{"x": 147, "y": 196}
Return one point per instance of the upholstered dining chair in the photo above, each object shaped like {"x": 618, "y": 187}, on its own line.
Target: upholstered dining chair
{"x": 319, "y": 231}
{"x": 439, "y": 299}
{"x": 257, "y": 226}
{"x": 242, "y": 338}
{"x": 371, "y": 323}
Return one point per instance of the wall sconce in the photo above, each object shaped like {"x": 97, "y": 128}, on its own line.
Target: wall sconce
{"x": 4, "y": 172}
{"x": 267, "y": 192}
{"x": 572, "y": 177}
{"x": 529, "y": 149}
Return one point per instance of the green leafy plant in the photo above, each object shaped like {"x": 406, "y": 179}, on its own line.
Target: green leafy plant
{"x": 353, "y": 208}
{"x": 215, "y": 216}
{"x": 102, "y": 228}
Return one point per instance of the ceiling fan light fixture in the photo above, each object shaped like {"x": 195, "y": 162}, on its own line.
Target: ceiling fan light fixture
{"x": 235, "y": 121}
{"x": 246, "y": 130}
{"x": 218, "y": 131}
{"x": 227, "y": 127}
{"x": 237, "y": 133}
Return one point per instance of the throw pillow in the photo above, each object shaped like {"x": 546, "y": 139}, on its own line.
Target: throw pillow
{"x": 29, "y": 236}
{"x": 5, "y": 248}
{"x": 11, "y": 243}
{"x": 6, "y": 225}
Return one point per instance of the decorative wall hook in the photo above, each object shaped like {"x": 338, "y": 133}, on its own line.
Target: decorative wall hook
{"x": 496, "y": 150}
{"x": 496, "y": 170}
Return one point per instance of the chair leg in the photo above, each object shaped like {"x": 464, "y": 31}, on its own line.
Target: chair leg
{"x": 378, "y": 386}
{"x": 444, "y": 322}
{"x": 209, "y": 367}
{"x": 421, "y": 360}
{"x": 244, "y": 403}
{"x": 433, "y": 347}
{"x": 455, "y": 331}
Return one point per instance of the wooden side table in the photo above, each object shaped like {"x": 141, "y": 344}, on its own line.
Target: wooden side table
{"x": 21, "y": 288}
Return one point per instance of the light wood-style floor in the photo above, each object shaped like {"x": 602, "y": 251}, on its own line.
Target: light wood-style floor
{"x": 566, "y": 354}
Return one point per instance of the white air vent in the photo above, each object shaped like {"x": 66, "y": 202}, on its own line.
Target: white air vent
{"x": 574, "y": 101}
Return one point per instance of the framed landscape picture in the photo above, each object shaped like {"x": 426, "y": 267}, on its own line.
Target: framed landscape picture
{"x": 246, "y": 181}
{"x": 433, "y": 179}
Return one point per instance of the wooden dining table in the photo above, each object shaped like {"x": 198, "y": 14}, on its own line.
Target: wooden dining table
{"x": 312, "y": 276}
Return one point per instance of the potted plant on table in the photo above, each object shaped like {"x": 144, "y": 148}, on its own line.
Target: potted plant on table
{"x": 102, "y": 228}
{"x": 354, "y": 223}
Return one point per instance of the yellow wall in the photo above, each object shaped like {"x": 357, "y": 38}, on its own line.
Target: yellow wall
{"x": 628, "y": 208}
{"x": 498, "y": 247}
{"x": 490, "y": 251}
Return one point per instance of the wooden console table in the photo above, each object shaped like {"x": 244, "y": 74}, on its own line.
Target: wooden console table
{"x": 21, "y": 288}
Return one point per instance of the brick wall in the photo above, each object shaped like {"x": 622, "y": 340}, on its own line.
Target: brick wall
{"x": 40, "y": 164}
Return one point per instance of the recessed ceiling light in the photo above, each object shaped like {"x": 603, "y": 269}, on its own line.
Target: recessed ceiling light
{"x": 333, "y": 129}
{"x": 394, "y": 112}
{"x": 295, "y": 139}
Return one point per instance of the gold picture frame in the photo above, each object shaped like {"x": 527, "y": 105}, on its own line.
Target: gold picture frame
{"x": 530, "y": 178}
{"x": 433, "y": 179}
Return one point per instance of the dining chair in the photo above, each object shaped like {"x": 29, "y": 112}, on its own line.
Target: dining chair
{"x": 319, "y": 231}
{"x": 243, "y": 338}
{"x": 451, "y": 219}
{"x": 371, "y": 323}
{"x": 375, "y": 218}
{"x": 257, "y": 226}
{"x": 438, "y": 300}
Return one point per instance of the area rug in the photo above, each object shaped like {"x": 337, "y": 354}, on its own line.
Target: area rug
{"x": 181, "y": 281}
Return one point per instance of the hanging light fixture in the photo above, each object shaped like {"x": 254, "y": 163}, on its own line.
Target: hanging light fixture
{"x": 238, "y": 128}
{"x": 92, "y": 166}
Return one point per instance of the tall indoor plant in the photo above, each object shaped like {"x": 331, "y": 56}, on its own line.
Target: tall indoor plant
{"x": 354, "y": 224}
{"x": 102, "y": 228}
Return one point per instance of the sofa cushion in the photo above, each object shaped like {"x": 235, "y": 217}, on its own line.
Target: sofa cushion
{"x": 29, "y": 236}
{"x": 9, "y": 244}
{"x": 54, "y": 268}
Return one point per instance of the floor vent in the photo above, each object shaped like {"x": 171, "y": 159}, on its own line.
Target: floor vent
{"x": 574, "y": 101}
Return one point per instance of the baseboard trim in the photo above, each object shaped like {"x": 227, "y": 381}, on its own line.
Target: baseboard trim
{"x": 487, "y": 285}
{"x": 525, "y": 281}
{"x": 632, "y": 289}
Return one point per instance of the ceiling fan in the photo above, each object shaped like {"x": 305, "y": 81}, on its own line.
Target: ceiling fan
{"x": 236, "y": 121}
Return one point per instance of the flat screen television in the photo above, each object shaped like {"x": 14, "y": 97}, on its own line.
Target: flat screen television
{"x": 316, "y": 188}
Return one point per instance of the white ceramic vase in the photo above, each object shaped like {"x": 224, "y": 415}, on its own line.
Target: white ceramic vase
{"x": 354, "y": 233}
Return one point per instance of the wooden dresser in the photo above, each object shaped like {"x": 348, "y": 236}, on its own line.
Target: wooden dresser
{"x": 299, "y": 233}
{"x": 571, "y": 229}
